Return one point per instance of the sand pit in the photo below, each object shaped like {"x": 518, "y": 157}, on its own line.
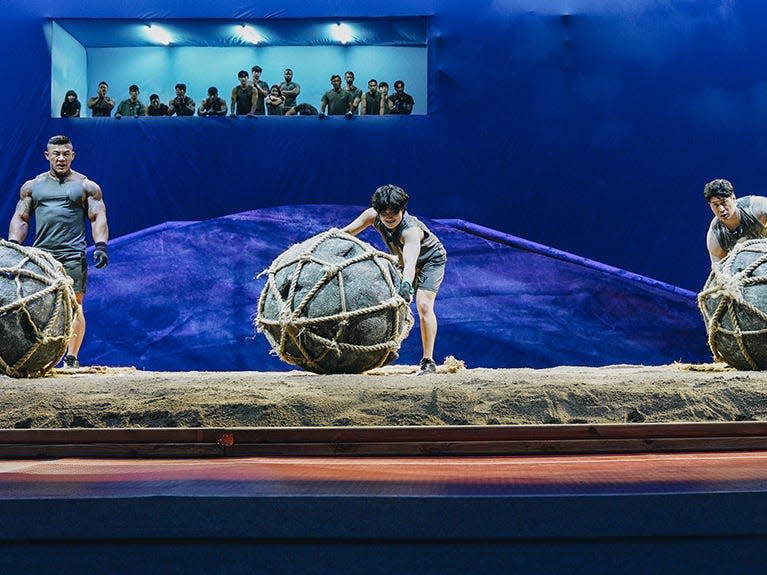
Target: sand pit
{"x": 126, "y": 397}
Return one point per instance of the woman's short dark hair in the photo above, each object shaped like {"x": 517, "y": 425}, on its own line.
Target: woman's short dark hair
{"x": 389, "y": 197}
{"x": 70, "y": 93}
{"x": 718, "y": 188}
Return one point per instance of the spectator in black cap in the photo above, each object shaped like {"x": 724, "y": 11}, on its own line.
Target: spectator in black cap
{"x": 131, "y": 106}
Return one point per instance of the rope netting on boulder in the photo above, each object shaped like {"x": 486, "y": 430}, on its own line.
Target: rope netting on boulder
{"x": 331, "y": 305}
{"x": 37, "y": 306}
{"x": 734, "y": 306}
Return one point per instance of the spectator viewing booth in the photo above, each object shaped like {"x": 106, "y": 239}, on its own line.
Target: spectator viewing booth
{"x": 156, "y": 54}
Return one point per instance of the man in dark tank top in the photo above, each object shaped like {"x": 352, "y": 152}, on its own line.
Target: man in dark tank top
{"x": 421, "y": 255}
{"x": 370, "y": 104}
{"x": 735, "y": 219}
{"x": 244, "y": 96}
{"x": 61, "y": 200}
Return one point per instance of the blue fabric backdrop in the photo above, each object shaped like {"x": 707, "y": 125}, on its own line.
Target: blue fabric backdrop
{"x": 588, "y": 126}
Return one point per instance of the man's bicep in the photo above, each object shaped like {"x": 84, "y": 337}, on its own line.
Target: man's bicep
{"x": 24, "y": 209}
{"x": 95, "y": 199}
{"x": 96, "y": 209}
{"x": 714, "y": 249}
{"x": 92, "y": 190}
{"x": 24, "y": 205}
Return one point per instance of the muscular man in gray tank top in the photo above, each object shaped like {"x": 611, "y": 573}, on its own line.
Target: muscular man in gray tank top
{"x": 61, "y": 200}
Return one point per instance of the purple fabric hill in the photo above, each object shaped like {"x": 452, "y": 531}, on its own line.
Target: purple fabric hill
{"x": 181, "y": 296}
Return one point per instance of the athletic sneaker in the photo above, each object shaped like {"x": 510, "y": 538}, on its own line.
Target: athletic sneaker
{"x": 70, "y": 362}
{"x": 427, "y": 366}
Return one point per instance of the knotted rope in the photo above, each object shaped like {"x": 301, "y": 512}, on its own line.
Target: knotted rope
{"x": 58, "y": 285}
{"x": 727, "y": 285}
{"x": 295, "y": 328}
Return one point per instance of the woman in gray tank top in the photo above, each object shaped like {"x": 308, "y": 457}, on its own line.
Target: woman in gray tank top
{"x": 421, "y": 255}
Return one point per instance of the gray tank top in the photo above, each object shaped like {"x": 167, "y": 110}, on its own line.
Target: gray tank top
{"x": 431, "y": 247}
{"x": 750, "y": 227}
{"x": 60, "y": 209}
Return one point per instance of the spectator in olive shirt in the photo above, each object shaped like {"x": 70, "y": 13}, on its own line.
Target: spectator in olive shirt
{"x": 131, "y": 106}
{"x": 337, "y": 101}
{"x": 262, "y": 91}
{"x": 289, "y": 89}
{"x": 353, "y": 90}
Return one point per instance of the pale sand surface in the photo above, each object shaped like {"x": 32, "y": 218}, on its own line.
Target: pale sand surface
{"x": 126, "y": 397}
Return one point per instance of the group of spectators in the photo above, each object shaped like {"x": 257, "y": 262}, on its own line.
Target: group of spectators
{"x": 253, "y": 97}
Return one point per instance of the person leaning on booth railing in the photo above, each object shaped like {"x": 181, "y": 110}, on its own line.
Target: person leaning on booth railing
{"x": 101, "y": 105}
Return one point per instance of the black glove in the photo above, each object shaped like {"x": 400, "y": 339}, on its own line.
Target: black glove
{"x": 406, "y": 291}
{"x": 321, "y": 115}
{"x": 348, "y": 115}
{"x": 100, "y": 257}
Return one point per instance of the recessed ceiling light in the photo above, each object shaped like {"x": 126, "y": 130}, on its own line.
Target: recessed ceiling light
{"x": 249, "y": 34}
{"x": 342, "y": 32}
{"x": 158, "y": 34}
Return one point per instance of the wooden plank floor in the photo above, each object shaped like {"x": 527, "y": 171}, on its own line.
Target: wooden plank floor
{"x": 661, "y": 512}
{"x": 383, "y": 441}
{"x": 392, "y": 476}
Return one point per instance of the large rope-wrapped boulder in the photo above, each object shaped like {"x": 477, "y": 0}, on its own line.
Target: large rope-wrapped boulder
{"x": 37, "y": 306}
{"x": 734, "y": 307}
{"x": 330, "y": 305}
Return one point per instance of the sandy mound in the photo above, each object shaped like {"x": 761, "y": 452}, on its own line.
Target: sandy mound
{"x": 125, "y": 397}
